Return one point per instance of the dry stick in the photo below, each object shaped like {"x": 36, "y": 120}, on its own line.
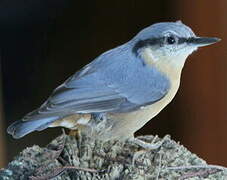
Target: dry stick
{"x": 41, "y": 169}
{"x": 159, "y": 166}
{"x": 212, "y": 167}
{"x": 201, "y": 173}
{"x": 197, "y": 167}
{"x": 60, "y": 170}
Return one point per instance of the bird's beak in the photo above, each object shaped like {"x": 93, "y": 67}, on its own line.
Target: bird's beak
{"x": 202, "y": 41}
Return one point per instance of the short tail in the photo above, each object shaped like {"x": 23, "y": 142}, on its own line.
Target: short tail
{"x": 21, "y": 128}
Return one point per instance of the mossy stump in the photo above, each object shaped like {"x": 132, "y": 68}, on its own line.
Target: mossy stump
{"x": 69, "y": 157}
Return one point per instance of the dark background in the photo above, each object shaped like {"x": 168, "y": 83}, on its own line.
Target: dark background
{"x": 43, "y": 42}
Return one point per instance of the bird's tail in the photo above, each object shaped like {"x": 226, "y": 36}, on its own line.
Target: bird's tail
{"x": 20, "y": 128}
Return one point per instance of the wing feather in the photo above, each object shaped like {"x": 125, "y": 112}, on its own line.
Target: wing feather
{"x": 118, "y": 83}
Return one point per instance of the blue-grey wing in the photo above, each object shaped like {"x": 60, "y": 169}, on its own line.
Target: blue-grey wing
{"x": 111, "y": 84}
{"x": 114, "y": 82}
{"x": 117, "y": 81}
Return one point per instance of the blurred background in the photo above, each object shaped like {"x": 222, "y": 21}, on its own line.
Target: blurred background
{"x": 43, "y": 42}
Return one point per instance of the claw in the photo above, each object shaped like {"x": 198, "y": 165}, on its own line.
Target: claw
{"x": 152, "y": 145}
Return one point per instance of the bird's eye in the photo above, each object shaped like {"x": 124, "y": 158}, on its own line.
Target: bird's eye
{"x": 171, "y": 40}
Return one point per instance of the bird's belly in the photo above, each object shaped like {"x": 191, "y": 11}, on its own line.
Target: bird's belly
{"x": 116, "y": 125}
{"x": 126, "y": 124}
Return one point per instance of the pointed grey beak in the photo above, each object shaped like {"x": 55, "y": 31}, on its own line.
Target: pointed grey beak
{"x": 202, "y": 41}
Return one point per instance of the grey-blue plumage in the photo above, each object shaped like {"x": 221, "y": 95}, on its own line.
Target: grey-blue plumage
{"x": 116, "y": 81}
{"x": 122, "y": 80}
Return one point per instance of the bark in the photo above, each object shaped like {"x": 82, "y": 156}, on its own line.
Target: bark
{"x": 75, "y": 157}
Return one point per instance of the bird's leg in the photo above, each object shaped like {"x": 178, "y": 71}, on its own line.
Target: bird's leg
{"x": 149, "y": 146}
{"x": 74, "y": 132}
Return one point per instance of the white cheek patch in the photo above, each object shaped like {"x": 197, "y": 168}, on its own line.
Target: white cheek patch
{"x": 186, "y": 51}
{"x": 148, "y": 56}
{"x": 174, "y": 57}
{"x": 155, "y": 57}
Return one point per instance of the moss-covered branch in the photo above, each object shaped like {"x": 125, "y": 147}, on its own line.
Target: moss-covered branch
{"x": 67, "y": 157}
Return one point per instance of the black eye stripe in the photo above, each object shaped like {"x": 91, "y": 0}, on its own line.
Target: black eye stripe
{"x": 143, "y": 43}
{"x": 155, "y": 41}
{"x": 182, "y": 40}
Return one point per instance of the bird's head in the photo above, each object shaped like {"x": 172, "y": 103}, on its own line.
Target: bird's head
{"x": 169, "y": 42}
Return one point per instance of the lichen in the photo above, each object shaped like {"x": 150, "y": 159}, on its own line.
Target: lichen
{"x": 69, "y": 157}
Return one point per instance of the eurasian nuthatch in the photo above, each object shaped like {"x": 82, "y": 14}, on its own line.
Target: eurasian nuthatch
{"x": 122, "y": 89}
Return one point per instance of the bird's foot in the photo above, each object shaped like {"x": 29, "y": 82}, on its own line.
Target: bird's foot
{"x": 150, "y": 146}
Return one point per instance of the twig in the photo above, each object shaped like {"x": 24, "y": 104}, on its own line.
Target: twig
{"x": 207, "y": 170}
{"x": 60, "y": 170}
{"x": 198, "y": 167}
{"x": 53, "y": 155}
{"x": 201, "y": 173}
{"x": 58, "y": 148}
{"x": 120, "y": 160}
{"x": 159, "y": 166}
{"x": 136, "y": 156}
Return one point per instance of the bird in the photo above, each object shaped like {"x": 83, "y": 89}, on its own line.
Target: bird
{"x": 120, "y": 90}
